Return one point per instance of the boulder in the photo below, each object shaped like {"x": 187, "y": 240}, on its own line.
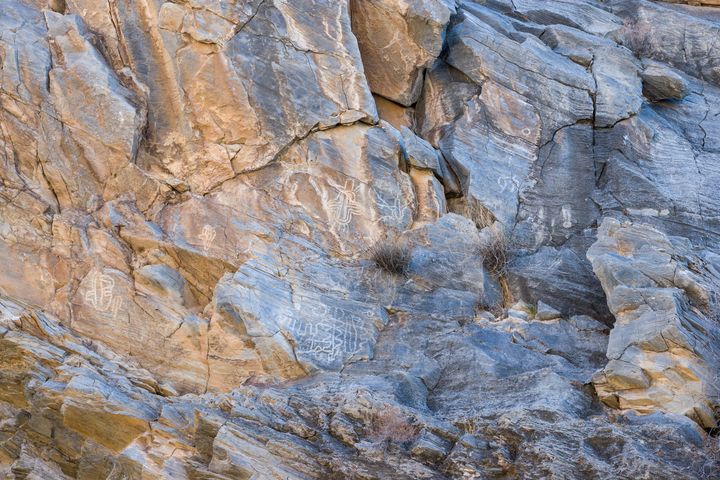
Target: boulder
{"x": 660, "y": 82}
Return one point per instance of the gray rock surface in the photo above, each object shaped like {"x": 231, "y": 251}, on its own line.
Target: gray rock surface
{"x": 377, "y": 239}
{"x": 663, "y": 348}
{"x": 662, "y": 83}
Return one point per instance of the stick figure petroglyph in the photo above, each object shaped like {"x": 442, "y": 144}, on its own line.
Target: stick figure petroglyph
{"x": 344, "y": 206}
{"x": 207, "y": 237}
{"x": 395, "y": 213}
{"x": 244, "y": 252}
{"x": 507, "y": 182}
{"x": 566, "y": 213}
{"x": 101, "y": 294}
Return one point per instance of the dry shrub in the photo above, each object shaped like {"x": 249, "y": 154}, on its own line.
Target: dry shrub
{"x": 391, "y": 424}
{"x": 90, "y": 345}
{"x": 495, "y": 252}
{"x": 468, "y": 425}
{"x": 391, "y": 257}
{"x": 711, "y": 466}
{"x": 636, "y": 34}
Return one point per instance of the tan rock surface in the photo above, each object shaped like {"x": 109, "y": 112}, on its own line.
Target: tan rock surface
{"x": 398, "y": 39}
{"x": 663, "y": 348}
{"x": 317, "y": 239}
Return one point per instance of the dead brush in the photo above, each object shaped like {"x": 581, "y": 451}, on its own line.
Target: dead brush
{"x": 711, "y": 467}
{"x": 392, "y": 257}
{"x": 89, "y": 344}
{"x": 495, "y": 252}
{"x": 637, "y": 36}
{"x": 392, "y": 424}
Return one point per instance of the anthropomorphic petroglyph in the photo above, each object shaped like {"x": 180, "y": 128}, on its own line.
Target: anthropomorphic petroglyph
{"x": 207, "y": 236}
{"x": 101, "y": 294}
{"x": 344, "y": 205}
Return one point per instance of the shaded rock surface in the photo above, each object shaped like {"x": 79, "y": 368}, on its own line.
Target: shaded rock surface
{"x": 254, "y": 239}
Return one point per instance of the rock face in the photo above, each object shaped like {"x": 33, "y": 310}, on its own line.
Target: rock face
{"x": 364, "y": 239}
{"x": 398, "y": 39}
{"x": 662, "y": 350}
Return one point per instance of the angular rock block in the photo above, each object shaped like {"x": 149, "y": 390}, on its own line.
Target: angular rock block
{"x": 664, "y": 348}
{"x": 398, "y": 39}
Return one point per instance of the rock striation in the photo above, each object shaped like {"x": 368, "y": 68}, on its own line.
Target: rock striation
{"x": 662, "y": 349}
{"x": 362, "y": 239}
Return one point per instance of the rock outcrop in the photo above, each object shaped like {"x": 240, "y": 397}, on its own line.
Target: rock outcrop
{"x": 662, "y": 350}
{"x": 398, "y": 39}
{"x": 362, "y": 239}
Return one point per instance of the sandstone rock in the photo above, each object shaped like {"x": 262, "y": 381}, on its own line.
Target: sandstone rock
{"x": 192, "y": 194}
{"x": 546, "y": 312}
{"x": 419, "y": 153}
{"x": 506, "y": 155}
{"x": 80, "y": 150}
{"x": 661, "y": 348}
{"x": 557, "y": 88}
{"x": 657, "y": 31}
{"x": 560, "y": 276}
{"x": 696, "y": 2}
{"x": 430, "y": 447}
{"x": 103, "y": 415}
{"x": 395, "y": 114}
{"x": 586, "y": 17}
{"x": 193, "y": 49}
{"x": 437, "y": 109}
{"x": 430, "y": 196}
{"x": 649, "y": 200}
{"x": 398, "y": 39}
{"x": 614, "y": 68}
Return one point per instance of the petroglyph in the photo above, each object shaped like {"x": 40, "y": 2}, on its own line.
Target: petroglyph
{"x": 330, "y": 334}
{"x": 508, "y": 182}
{"x": 101, "y": 294}
{"x": 344, "y": 205}
{"x": 207, "y": 236}
{"x": 566, "y": 213}
{"x": 392, "y": 214}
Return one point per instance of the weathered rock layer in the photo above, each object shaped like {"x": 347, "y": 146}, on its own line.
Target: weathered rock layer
{"x": 362, "y": 239}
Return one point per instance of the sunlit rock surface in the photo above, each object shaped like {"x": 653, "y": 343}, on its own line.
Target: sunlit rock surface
{"x": 362, "y": 239}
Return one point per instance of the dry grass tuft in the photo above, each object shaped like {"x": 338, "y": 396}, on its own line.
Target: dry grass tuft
{"x": 391, "y": 424}
{"x": 711, "y": 467}
{"x": 637, "y": 36}
{"x": 393, "y": 258}
{"x": 90, "y": 345}
{"x": 480, "y": 215}
{"x": 495, "y": 251}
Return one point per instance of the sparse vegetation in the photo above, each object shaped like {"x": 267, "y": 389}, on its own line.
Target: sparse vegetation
{"x": 495, "y": 252}
{"x": 497, "y": 309}
{"x": 392, "y": 424}
{"x": 468, "y": 425}
{"x": 636, "y": 35}
{"x": 711, "y": 467}
{"x": 90, "y": 345}
{"x": 392, "y": 257}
